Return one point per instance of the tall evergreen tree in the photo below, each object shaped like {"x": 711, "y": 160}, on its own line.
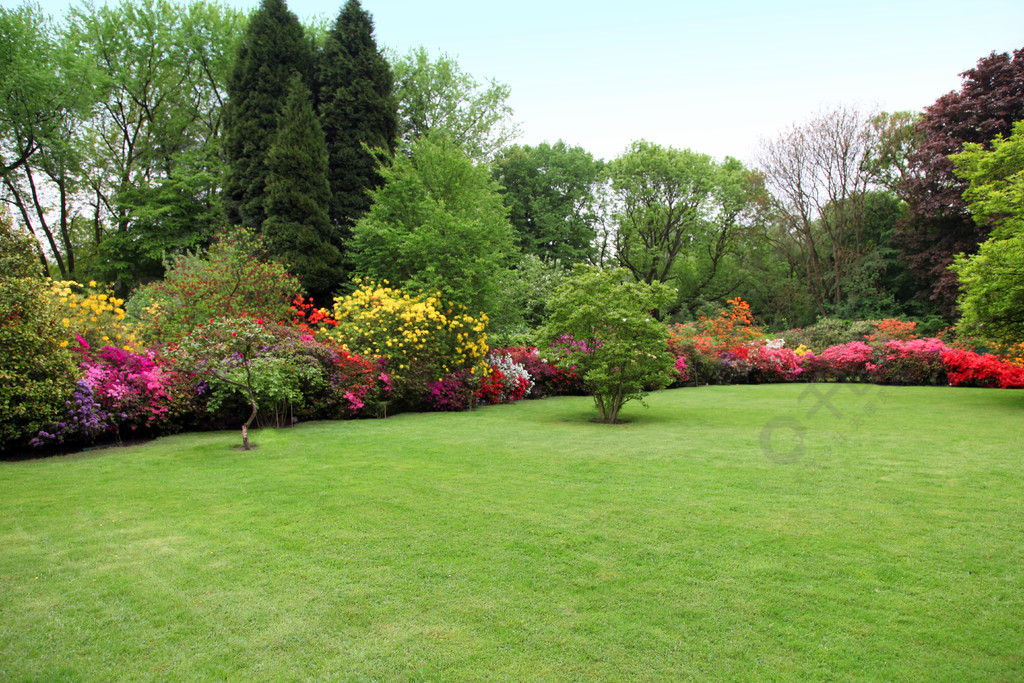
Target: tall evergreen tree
{"x": 357, "y": 107}
{"x": 273, "y": 49}
{"x": 297, "y": 228}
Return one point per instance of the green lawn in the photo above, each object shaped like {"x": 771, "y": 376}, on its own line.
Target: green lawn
{"x": 831, "y": 532}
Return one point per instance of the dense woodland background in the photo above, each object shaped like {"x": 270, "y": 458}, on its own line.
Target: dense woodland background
{"x": 135, "y": 132}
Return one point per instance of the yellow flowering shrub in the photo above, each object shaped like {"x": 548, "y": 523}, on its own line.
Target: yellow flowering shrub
{"x": 92, "y": 312}
{"x": 802, "y": 350}
{"x": 417, "y": 334}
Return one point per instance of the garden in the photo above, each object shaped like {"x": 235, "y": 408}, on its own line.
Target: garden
{"x": 782, "y": 531}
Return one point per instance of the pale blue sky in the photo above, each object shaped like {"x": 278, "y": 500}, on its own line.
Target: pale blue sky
{"x": 713, "y": 77}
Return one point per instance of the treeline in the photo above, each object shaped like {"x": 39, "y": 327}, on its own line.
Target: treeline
{"x": 132, "y": 134}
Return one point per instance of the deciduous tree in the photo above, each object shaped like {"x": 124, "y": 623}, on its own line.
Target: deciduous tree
{"x": 990, "y": 100}
{"x": 992, "y": 302}
{"x": 438, "y": 223}
{"x": 550, "y": 192}
{"x": 601, "y": 326}
{"x": 437, "y": 95}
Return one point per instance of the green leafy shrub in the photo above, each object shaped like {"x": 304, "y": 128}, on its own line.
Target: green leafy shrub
{"x": 234, "y": 279}
{"x": 601, "y": 327}
{"x": 37, "y": 372}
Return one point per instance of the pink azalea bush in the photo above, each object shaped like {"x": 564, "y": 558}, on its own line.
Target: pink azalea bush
{"x": 916, "y": 362}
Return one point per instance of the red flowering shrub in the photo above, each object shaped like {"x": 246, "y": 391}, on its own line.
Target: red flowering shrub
{"x": 548, "y": 378}
{"x": 917, "y": 362}
{"x": 971, "y": 369}
{"x": 772, "y": 362}
{"x": 845, "y": 362}
{"x": 492, "y": 387}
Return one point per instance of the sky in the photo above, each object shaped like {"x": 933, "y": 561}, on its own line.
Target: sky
{"x": 716, "y": 77}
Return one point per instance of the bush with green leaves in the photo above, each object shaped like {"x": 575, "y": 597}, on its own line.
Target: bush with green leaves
{"x": 37, "y": 371}
{"x": 235, "y": 278}
{"x": 602, "y": 327}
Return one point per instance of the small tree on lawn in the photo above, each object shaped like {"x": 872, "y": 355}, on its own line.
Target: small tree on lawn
{"x": 602, "y": 327}
{"x": 228, "y": 349}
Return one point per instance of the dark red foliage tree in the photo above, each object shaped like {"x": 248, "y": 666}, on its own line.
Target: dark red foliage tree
{"x": 939, "y": 226}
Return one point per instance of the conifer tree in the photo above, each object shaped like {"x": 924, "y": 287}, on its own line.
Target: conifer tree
{"x": 273, "y": 49}
{"x": 357, "y": 108}
{"x": 297, "y": 228}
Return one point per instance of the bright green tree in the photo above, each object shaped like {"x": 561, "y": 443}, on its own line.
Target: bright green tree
{"x": 992, "y": 281}
{"x": 47, "y": 91}
{"x": 602, "y": 325}
{"x": 438, "y": 96}
{"x": 273, "y": 49}
{"x": 151, "y": 167}
{"x": 439, "y": 224}
{"x": 357, "y": 111}
{"x": 297, "y": 229}
{"x": 37, "y": 372}
{"x": 549, "y": 190}
{"x": 662, "y": 197}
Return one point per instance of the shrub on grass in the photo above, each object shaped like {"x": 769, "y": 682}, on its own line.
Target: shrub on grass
{"x": 971, "y": 369}
{"x": 602, "y": 324}
{"x": 916, "y": 362}
{"x": 37, "y": 371}
{"x": 422, "y": 338}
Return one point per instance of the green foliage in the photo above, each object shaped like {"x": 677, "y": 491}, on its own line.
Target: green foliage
{"x": 18, "y": 254}
{"x": 233, "y": 352}
{"x": 992, "y": 304}
{"x": 601, "y": 326}
{"x": 549, "y": 190}
{"x": 438, "y": 224}
{"x": 523, "y": 291}
{"x": 438, "y": 97}
{"x": 234, "y": 279}
{"x": 151, "y": 158}
{"x": 992, "y": 281}
{"x": 297, "y": 229}
{"x": 47, "y": 90}
{"x": 273, "y": 49}
{"x": 828, "y": 332}
{"x": 663, "y": 197}
{"x": 358, "y": 113}
{"x": 37, "y": 372}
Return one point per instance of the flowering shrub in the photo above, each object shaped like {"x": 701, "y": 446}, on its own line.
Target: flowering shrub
{"x": 548, "y": 378}
{"x": 971, "y": 369}
{"x": 94, "y": 314}
{"x": 422, "y": 338}
{"x": 916, "y": 362}
{"x": 682, "y": 371}
{"x": 892, "y": 328}
{"x": 515, "y": 379}
{"x": 772, "y": 362}
{"x": 492, "y": 387}
{"x": 119, "y": 392}
{"x": 37, "y": 375}
{"x": 236, "y": 279}
{"x": 453, "y": 392}
{"x": 844, "y": 362}
{"x": 306, "y": 317}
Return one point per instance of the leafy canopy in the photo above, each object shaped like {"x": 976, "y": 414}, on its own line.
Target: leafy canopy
{"x": 602, "y": 326}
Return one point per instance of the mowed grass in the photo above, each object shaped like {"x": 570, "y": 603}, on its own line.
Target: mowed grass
{"x": 828, "y": 532}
